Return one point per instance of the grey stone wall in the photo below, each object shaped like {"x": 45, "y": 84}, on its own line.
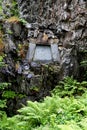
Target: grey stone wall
{"x": 63, "y": 22}
{"x": 67, "y": 18}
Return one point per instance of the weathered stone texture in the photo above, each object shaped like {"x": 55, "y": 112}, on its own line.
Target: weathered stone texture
{"x": 67, "y": 18}
{"x": 62, "y": 22}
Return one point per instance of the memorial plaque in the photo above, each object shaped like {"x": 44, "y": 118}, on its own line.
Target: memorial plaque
{"x": 43, "y": 53}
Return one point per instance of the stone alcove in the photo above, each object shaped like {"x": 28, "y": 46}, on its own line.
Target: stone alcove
{"x": 41, "y": 53}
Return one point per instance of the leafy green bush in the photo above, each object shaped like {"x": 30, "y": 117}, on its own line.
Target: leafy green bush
{"x": 70, "y": 87}
{"x": 54, "y": 113}
{"x": 2, "y": 87}
{"x": 14, "y": 9}
{"x": 1, "y": 10}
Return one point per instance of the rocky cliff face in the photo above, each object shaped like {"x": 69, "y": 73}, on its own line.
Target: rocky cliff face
{"x": 66, "y": 20}
{"x": 59, "y": 25}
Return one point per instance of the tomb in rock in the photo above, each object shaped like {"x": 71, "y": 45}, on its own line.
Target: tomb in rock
{"x": 41, "y": 53}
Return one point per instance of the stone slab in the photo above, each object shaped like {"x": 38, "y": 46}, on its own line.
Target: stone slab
{"x": 55, "y": 53}
{"x": 43, "y": 53}
{"x": 31, "y": 51}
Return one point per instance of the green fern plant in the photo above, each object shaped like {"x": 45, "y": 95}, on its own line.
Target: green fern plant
{"x": 53, "y": 113}
{"x": 1, "y": 10}
{"x": 14, "y": 9}
{"x": 3, "y": 86}
{"x": 70, "y": 87}
{"x": 2, "y": 101}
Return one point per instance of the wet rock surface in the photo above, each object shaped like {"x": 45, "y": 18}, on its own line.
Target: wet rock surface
{"x": 61, "y": 24}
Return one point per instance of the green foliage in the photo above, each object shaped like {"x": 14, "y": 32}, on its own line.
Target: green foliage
{"x": 8, "y": 94}
{"x": 1, "y": 10}
{"x": 9, "y": 31}
{"x": 14, "y": 9}
{"x": 23, "y": 21}
{"x": 11, "y": 8}
{"x": 2, "y": 104}
{"x": 35, "y": 88}
{"x": 54, "y": 113}
{"x": 70, "y": 87}
{"x": 2, "y": 87}
{"x": 11, "y": 94}
{"x": 1, "y": 61}
{"x": 83, "y": 64}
